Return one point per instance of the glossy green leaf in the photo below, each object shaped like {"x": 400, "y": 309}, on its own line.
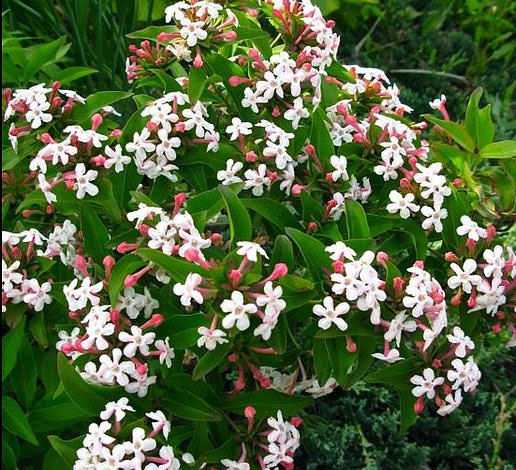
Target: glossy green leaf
{"x": 15, "y": 421}
{"x": 196, "y": 83}
{"x": 96, "y": 236}
{"x": 456, "y": 131}
{"x": 11, "y": 344}
{"x": 502, "y": 149}
{"x": 210, "y": 360}
{"x": 67, "y": 450}
{"x": 124, "y": 266}
{"x": 313, "y": 251}
{"x": 239, "y": 221}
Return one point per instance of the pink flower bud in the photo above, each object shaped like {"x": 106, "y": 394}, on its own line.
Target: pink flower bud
{"x": 155, "y": 320}
{"x": 235, "y": 276}
{"x": 338, "y": 266}
{"x": 144, "y": 229}
{"x": 500, "y": 315}
{"x": 179, "y": 127}
{"x": 254, "y": 54}
{"x": 130, "y": 280}
{"x": 46, "y": 138}
{"x": 436, "y": 363}
{"x": 496, "y": 328}
{"x": 351, "y": 346}
{"x": 329, "y": 178}
{"x": 297, "y": 188}
{"x": 99, "y": 160}
{"x": 198, "y": 62}
{"x": 162, "y": 37}
{"x": 397, "y": 284}
{"x": 273, "y": 176}
{"x": 96, "y": 121}
{"x": 312, "y": 226}
{"x": 280, "y": 270}
{"x": 456, "y": 299}
{"x": 249, "y": 412}
{"x": 458, "y": 182}
{"x": 179, "y": 200}
{"x": 251, "y": 157}
{"x": 296, "y": 421}
{"x": 124, "y": 247}
{"x": 405, "y": 183}
{"x": 471, "y": 245}
{"x": 216, "y": 238}
{"x": 491, "y": 232}
{"x": 152, "y": 126}
{"x": 419, "y": 264}
{"x": 235, "y": 80}
{"x": 276, "y": 112}
{"x": 419, "y": 406}
{"x": 310, "y": 150}
{"x": 108, "y": 263}
{"x": 233, "y": 357}
{"x": 451, "y": 257}
{"x": 116, "y": 133}
{"x": 382, "y": 257}
{"x": 114, "y": 316}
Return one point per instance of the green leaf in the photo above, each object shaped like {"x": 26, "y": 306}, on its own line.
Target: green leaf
{"x": 273, "y": 211}
{"x": 366, "y": 346}
{"x": 312, "y": 251}
{"x": 40, "y": 56}
{"x": 240, "y": 226}
{"x": 185, "y": 404}
{"x": 283, "y": 252}
{"x": 88, "y": 397}
{"x": 456, "y": 131}
{"x": 396, "y": 374}
{"x": 182, "y": 329}
{"x": 71, "y": 74}
{"x": 94, "y": 103}
{"x": 151, "y": 32}
{"x": 320, "y": 137}
{"x": 472, "y": 119}
{"x": 123, "y": 267}
{"x": 356, "y": 220}
{"x": 15, "y": 421}
{"x": 408, "y": 415}
{"x": 67, "y": 450}
{"x": 11, "y": 343}
{"x": 210, "y": 360}
{"x": 341, "y": 359}
{"x": 245, "y": 34}
{"x": 96, "y": 236}
{"x": 486, "y": 131}
{"x": 196, "y": 83}
{"x": 321, "y": 361}
{"x": 268, "y": 402}
{"x": 502, "y": 149}
{"x": 175, "y": 267}
{"x": 25, "y": 374}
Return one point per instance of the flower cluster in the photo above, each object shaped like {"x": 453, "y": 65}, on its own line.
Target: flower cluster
{"x": 103, "y": 447}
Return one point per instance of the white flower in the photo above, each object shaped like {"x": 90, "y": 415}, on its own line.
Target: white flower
{"x": 471, "y": 229}
{"x": 162, "y": 236}
{"x": 331, "y": 314}
{"x": 232, "y": 465}
{"x": 140, "y": 146}
{"x": 426, "y": 384}
{"x": 237, "y": 311}
{"x": 271, "y": 299}
{"x": 210, "y": 339}
{"x": 270, "y": 85}
{"x": 402, "y": 204}
{"x": 397, "y": 326}
{"x": 251, "y": 250}
{"x": 238, "y": 127}
{"x": 492, "y": 296}
{"x": 257, "y": 179}
{"x": 112, "y": 368}
{"x": 495, "y": 261}
{"x": 167, "y": 145}
{"x": 433, "y": 217}
{"x": 464, "y": 277}
{"x": 207, "y": 8}
{"x": 59, "y": 151}
{"x": 141, "y": 385}
{"x": 71, "y": 94}
{"x": 280, "y": 154}
{"x": 37, "y": 296}
{"x": 462, "y": 341}
{"x": 46, "y": 189}
{"x": 252, "y": 100}
{"x": 83, "y": 179}
{"x": 139, "y": 444}
{"x": 116, "y": 408}
{"x": 167, "y": 454}
{"x": 166, "y": 352}
{"x": 229, "y": 175}
{"x": 159, "y": 420}
{"x": 192, "y": 31}
{"x": 340, "y": 250}
{"x": 97, "y": 437}
{"x": 438, "y": 102}
{"x": 36, "y": 114}
{"x": 187, "y": 291}
{"x": 137, "y": 340}
{"x": 392, "y": 356}
{"x": 296, "y": 113}
{"x": 453, "y": 401}
{"x": 340, "y": 164}
{"x": 116, "y": 158}
{"x": 78, "y": 297}
{"x": 387, "y": 168}
{"x": 10, "y": 276}
{"x": 176, "y": 11}
{"x": 465, "y": 374}
{"x": 96, "y": 330}
{"x": 192, "y": 240}
{"x": 195, "y": 118}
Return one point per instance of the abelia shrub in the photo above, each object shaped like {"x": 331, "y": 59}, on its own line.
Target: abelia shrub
{"x": 267, "y": 226}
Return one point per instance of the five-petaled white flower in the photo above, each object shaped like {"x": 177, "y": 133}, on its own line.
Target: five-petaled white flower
{"x": 426, "y": 384}
{"x": 188, "y": 291}
{"x": 464, "y": 277}
{"x": 237, "y": 311}
{"x": 331, "y": 314}
{"x": 251, "y": 250}
{"x": 402, "y": 204}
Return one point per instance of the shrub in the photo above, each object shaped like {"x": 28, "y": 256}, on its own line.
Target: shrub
{"x": 267, "y": 223}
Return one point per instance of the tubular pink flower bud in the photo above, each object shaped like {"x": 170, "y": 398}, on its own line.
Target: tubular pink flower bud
{"x": 46, "y": 138}
{"x": 296, "y": 421}
{"x": 496, "y": 328}
{"x": 451, "y": 257}
{"x": 198, "y": 62}
{"x": 276, "y": 112}
{"x": 471, "y": 244}
{"x": 419, "y": 406}
{"x": 397, "y": 284}
{"x": 235, "y": 276}
{"x": 297, "y": 188}
{"x": 68, "y": 348}
{"x": 351, "y": 346}
{"x": 456, "y": 299}
{"x": 458, "y": 182}
{"x": 99, "y": 160}
{"x": 280, "y": 270}
{"x": 436, "y": 363}
{"x": 108, "y": 263}
{"x": 165, "y": 37}
{"x": 216, "y": 238}
{"x": 312, "y": 226}
{"x": 329, "y": 178}
{"x": 227, "y": 36}
{"x": 180, "y": 127}
{"x": 179, "y": 200}
{"x": 473, "y": 299}
{"x": 251, "y": 157}
{"x": 249, "y": 412}
{"x": 116, "y": 133}
{"x": 73, "y": 315}
{"x": 500, "y": 315}
{"x": 491, "y": 232}
{"x": 144, "y": 229}
{"x": 338, "y": 266}
{"x": 382, "y": 258}
{"x": 235, "y": 80}
{"x": 81, "y": 264}
{"x": 132, "y": 279}
{"x": 50, "y": 209}
{"x": 96, "y": 121}
{"x": 419, "y": 264}
{"x": 152, "y": 126}
{"x": 273, "y": 176}
{"x": 124, "y": 247}
{"x": 155, "y": 320}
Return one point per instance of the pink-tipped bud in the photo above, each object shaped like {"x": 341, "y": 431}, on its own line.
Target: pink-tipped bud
{"x": 180, "y": 127}
{"x": 235, "y": 80}
{"x": 233, "y": 357}
{"x": 198, "y": 62}
{"x": 273, "y": 176}
{"x": 115, "y": 316}
{"x": 251, "y": 157}
{"x": 144, "y": 229}
{"x": 155, "y": 320}
{"x": 216, "y": 238}
{"x": 456, "y": 299}
{"x": 249, "y": 412}
{"x": 297, "y": 189}
{"x": 116, "y": 133}
{"x": 472, "y": 301}
{"x": 124, "y": 247}
{"x": 280, "y": 270}
{"x": 141, "y": 368}
{"x": 56, "y": 85}
{"x": 351, "y": 346}
{"x": 108, "y": 263}
{"x": 329, "y": 177}
{"x": 50, "y": 209}
{"x": 458, "y": 182}
{"x": 382, "y": 257}
{"x": 179, "y": 200}
{"x": 81, "y": 264}
{"x": 99, "y": 160}
{"x": 397, "y": 284}
{"x": 312, "y": 226}
{"x": 419, "y": 406}
{"x": 471, "y": 244}
{"x": 46, "y": 138}
{"x": 130, "y": 280}
{"x": 437, "y": 363}
{"x": 69, "y": 184}
{"x": 500, "y": 315}
{"x": 404, "y": 183}
{"x": 96, "y": 121}
{"x": 73, "y": 315}
{"x": 310, "y": 150}
{"x": 254, "y": 54}
{"x": 152, "y": 126}
{"x": 162, "y": 37}
{"x": 496, "y": 328}
{"x": 68, "y": 348}
{"x": 451, "y": 257}
{"x": 419, "y": 264}
{"x": 276, "y": 112}
{"x": 338, "y": 266}
{"x": 235, "y": 276}
{"x": 491, "y": 232}
{"x": 296, "y": 421}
